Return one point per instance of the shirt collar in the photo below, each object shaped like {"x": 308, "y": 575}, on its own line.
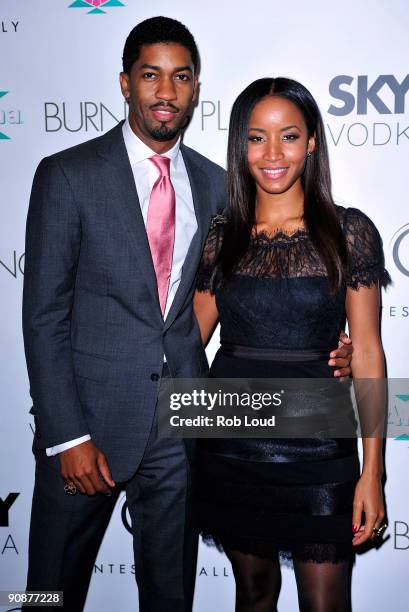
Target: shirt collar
{"x": 138, "y": 151}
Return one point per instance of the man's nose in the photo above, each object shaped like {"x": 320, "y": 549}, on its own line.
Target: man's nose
{"x": 166, "y": 89}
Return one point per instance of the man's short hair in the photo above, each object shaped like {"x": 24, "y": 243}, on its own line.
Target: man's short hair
{"x": 157, "y": 30}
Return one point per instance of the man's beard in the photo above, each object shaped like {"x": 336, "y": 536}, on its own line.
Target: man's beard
{"x": 164, "y": 133}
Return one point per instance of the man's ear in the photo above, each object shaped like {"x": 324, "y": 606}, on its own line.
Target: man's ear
{"x": 125, "y": 83}
{"x": 196, "y": 88}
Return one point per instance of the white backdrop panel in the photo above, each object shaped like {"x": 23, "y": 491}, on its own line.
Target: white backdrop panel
{"x": 59, "y": 64}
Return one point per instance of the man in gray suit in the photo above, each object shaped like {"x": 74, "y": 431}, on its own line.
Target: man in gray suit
{"x": 103, "y": 322}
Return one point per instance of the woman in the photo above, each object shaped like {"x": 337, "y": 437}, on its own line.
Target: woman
{"x": 281, "y": 271}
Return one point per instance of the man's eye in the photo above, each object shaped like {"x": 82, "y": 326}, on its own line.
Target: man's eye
{"x": 183, "y": 77}
{"x": 148, "y": 75}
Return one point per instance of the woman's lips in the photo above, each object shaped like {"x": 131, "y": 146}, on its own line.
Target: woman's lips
{"x": 164, "y": 114}
{"x": 274, "y": 173}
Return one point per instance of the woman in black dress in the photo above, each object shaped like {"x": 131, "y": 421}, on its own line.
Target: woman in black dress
{"x": 281, "y": 272}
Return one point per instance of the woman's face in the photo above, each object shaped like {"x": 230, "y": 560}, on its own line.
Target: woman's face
{"x": 277, "y": 145}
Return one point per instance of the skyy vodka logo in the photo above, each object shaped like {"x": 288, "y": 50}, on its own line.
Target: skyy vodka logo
{"x": 96, "y": 6}
{"x": 368, "y": 110}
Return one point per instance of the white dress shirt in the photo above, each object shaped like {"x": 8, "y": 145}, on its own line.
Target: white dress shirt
{"x": 145, "y": 174}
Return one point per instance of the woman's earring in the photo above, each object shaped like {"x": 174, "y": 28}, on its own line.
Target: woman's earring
{"x": 308, "y": 153}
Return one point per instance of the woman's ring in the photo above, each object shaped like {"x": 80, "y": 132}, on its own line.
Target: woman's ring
{"x": 378, "y": 531}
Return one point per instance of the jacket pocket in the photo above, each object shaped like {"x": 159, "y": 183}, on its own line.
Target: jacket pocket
{"x": 90, "y": 366}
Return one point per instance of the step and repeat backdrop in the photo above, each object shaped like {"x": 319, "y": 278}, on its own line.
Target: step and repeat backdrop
{"x": 59, "y": 66}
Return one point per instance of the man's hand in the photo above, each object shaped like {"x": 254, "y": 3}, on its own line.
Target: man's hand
{"x": 341, "y": 357}
{"x": 85, "y": 466}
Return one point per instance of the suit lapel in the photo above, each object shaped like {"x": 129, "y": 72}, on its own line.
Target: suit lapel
{"x": 200, "y": 194}
{"x": 120, "y": 185}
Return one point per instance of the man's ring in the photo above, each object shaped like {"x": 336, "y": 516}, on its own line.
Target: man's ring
{"x": 70, "y": 489}
{"x": 378, "y": 531}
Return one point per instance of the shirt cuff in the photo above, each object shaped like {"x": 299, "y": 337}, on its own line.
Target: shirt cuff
{"x": 54, "y": 450}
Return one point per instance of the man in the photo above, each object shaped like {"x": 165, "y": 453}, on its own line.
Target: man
{"x": 114, "y": 237}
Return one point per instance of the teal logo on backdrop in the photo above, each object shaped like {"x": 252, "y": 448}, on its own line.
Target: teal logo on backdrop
{"x": 401, "y": 416}
{"x": 96, "y": 6}
{"x": 8, "y": 117}
{"x": 3, "y": 118}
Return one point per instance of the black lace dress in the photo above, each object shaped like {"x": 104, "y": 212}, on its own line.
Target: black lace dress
{"x": 281, "y": 496}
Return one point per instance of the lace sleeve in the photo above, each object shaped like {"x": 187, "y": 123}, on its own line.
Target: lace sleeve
{"x": 210, "y": 252}
{"x": 366, "y": 263}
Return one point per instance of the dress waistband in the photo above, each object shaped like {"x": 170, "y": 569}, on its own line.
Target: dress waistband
{"x": 273, "y": 354}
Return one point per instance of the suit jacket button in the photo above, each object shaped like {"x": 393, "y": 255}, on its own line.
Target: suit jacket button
{"x": 154, "y": 377}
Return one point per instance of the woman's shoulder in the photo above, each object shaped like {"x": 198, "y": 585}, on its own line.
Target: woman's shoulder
{"x": 365, "y": 251}
{"x": 216, "y": 231}
{"x": 355, "y": 222}
{"x": 348, "y": 215}
{"x": 218, "y": 221}
{"x": 210, "y": 252}
{"x": 214, "y": 237}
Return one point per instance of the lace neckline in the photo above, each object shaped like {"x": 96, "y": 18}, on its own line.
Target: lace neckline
{"x": 279, "y": 236}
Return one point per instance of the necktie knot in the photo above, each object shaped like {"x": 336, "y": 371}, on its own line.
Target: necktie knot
{"x": 162, "y": 163}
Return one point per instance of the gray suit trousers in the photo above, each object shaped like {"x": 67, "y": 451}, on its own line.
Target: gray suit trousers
{"x": 69, "y": 529}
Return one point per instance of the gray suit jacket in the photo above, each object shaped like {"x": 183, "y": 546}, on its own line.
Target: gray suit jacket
{"x": 93, "y": 329}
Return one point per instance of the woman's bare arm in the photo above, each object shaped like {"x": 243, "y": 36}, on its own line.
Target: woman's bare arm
{"x": 205, "y": 309}
{"x": 362, "y": 308}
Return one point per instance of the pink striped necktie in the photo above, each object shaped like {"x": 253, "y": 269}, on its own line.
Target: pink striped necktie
{"x": 160, "y": 227}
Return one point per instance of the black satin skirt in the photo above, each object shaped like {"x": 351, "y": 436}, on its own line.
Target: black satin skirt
{"x": 269, "y": 497}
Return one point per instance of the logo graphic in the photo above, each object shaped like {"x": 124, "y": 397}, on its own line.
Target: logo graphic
{"x": 126, "y": 518}
{"x": 364, "y": 91}
{"x": 9, "y": 26}
{"x": 10, "y": 116}
{"x": 96, "y": 6}
{"x": 5, "y": 506}
{"x": 398, "y": 251}
{"x": 402, "y": 415}
{"x": 85, "y": 115}
{"x": 14, "y": 265}
{"x": 372, "y": 109}
{"x": 401, "y": 539}
{"x": 3, "y": 118}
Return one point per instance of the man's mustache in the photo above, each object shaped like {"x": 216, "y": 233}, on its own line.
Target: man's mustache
{"x": 166, "y": 105}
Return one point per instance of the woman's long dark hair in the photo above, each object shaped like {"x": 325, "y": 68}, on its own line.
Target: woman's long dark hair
{"x": 319, "y": 210}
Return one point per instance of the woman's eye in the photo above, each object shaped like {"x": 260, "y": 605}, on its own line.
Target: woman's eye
{"x": 255, "y": 138}
{"x": 290, "y": 137}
